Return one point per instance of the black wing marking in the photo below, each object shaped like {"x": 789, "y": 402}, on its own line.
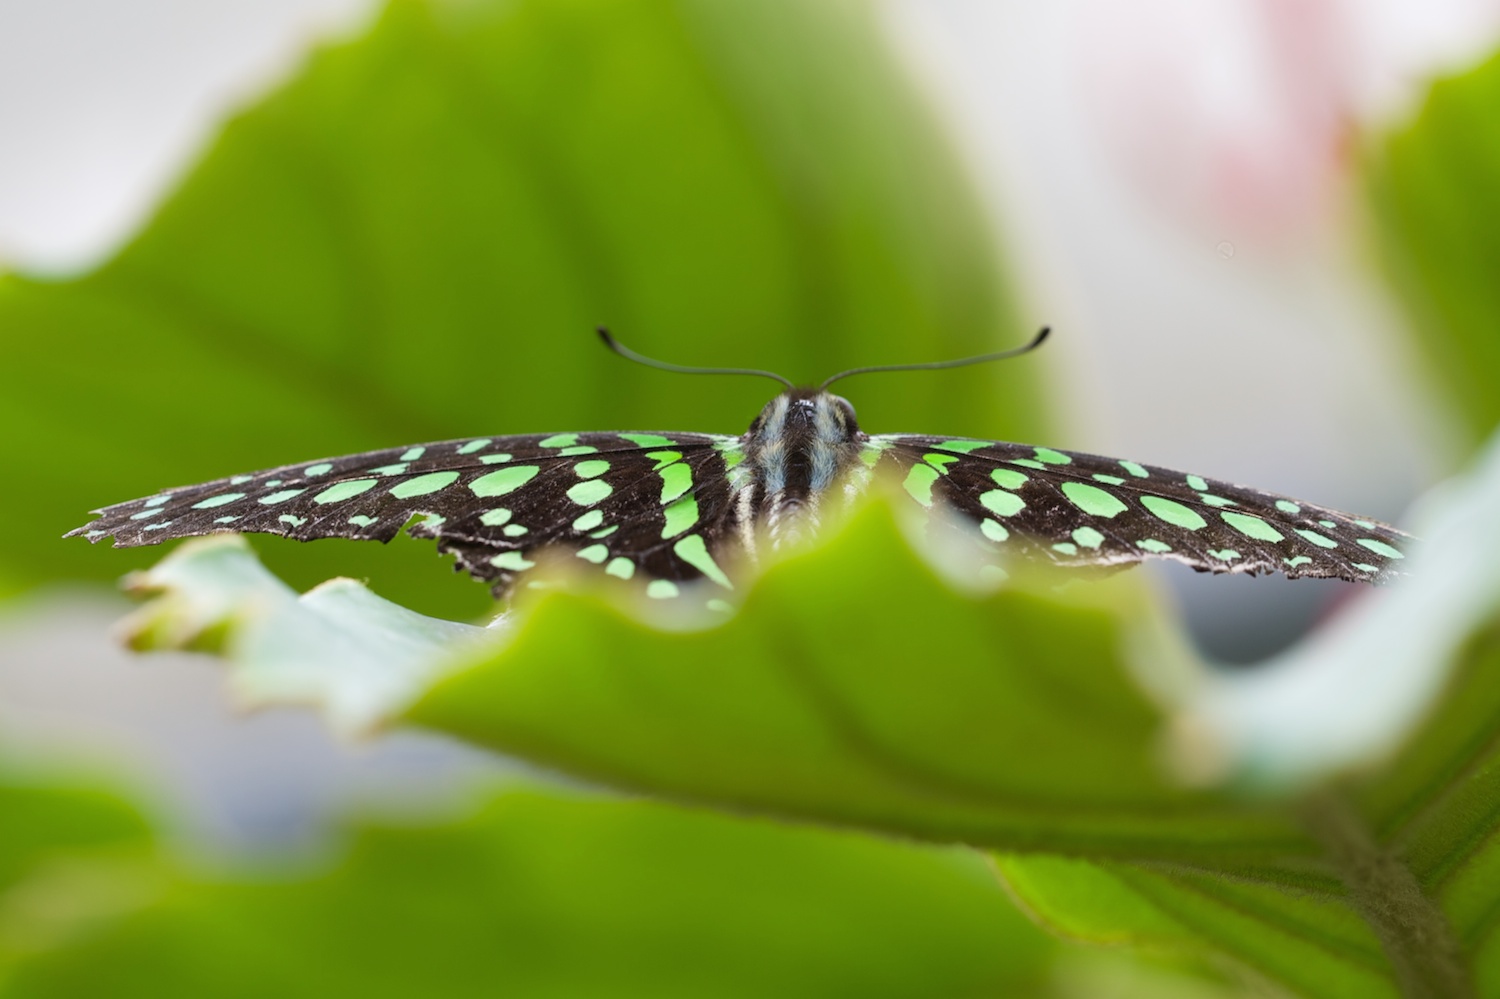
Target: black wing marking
{"x": 625, "y": 501}
{"x": 1085, "y": 510}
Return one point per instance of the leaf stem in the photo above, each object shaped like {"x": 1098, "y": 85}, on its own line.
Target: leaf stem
{"x": 1416, "y": 937}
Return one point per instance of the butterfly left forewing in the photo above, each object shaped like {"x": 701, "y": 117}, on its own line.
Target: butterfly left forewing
{"x": 625, "y": 499}
{"x": 1077, "y": 509}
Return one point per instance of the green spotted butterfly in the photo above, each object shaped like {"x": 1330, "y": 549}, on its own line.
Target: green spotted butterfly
{"x": 673, "y": 508}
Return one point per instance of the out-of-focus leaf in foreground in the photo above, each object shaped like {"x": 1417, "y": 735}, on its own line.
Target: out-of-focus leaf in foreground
{"x": 68, "y": 859}
{"x": 338, "y": 647}
{"x": 541, "y": 895}
{"x": 1436, "y": 196}
{"x": 854, "y": 686}
{"x": 414, "y": 239}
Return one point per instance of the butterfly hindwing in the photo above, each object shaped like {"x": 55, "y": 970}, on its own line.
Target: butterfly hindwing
{"x": 1084, "y": 510}
{"x": 622, "y": 500}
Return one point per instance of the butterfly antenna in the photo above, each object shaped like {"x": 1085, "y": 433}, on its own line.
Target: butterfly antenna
{"x": 630, "y": 355}
{"x": 1036, "y": 342}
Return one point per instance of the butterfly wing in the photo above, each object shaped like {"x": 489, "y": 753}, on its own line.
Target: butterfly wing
{"x": 1085, "y": 510}
{"x": 627, "y": 501}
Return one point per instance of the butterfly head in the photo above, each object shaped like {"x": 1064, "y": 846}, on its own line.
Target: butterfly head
{"x": 805, "y": 415}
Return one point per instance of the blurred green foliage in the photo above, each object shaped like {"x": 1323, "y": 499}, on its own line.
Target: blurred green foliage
{"x": 415, "y": 238}
{"x": 1436, "y": 200}
{"x": 548, "y": 895}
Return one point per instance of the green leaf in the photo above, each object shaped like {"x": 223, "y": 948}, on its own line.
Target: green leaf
{"x": 855, "y": 687}
{"x": 542, "y": 895}
{"x": 70, "y": 858}
{"x": 415, "y": 237}
{"x": 340, "y": 647}
{"x": 1437, "y": 206}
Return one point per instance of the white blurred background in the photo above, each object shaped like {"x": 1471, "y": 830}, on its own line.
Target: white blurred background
{"x": 1174, "y": 183}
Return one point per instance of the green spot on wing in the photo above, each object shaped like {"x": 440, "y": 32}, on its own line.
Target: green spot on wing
{"x": 360, "y": 520}
{"x": 620, "y": 567}
{"x": 589, "y": 521}
{"x": 1134, "y": 469}
{"x": 694, "y": 552}
{"x": 940, "y": 461}
{"x": 1093, "y": 500}
{"x": 1318, "y": 539}
{"x": 1174, "y": 513}
{"x": 680, "y": 516}
{"x": 662, "y": 589}
{"x": 1051, "y": 457}
{"x": 207, "y": 504}
{"x": 503, "y": 480}
{"x": 558, "y": 440}
{"x": 594, "y": 553}
{"x": 568, "y": 452}
{"x": 663, "y": 458}
{"x": 494, "y": 518}
{"x": 344, "y": 490}
{"x": 397, "y": 469}
{"x": 281, "y": 496}
{"x": 1110, "y": 480}
{"x": 1027, "y": 463}
{"x": 1153, "y": 545}
{"x": 1225, "y": 555}
{"x": 1196, "y": 482}
{"x": 513, "y": 530}
{"x": 1251, "y": 527}
{"x": 993, "y": 530}
{"x": 1088, "y": 537}
{"x": 473, "y": 446}
{"x": 288, "y": 518}
{"x": 1298, "y": 560}
{"x": 1008, "y": 478}
{"x": 648, "y": 440}
{"x": 1066, "y": 547}
{"x": 590, "y": 491}
{"x": 1209, "y": 499}
{"x": 514, "y": 561}
{"x": 1379, "y": 547}
{"x": 1002, "y": 503}
{"x": 918, "y": 483}
{"x": 675, "y": 480}
{"x": 322, "y": 468}
{"x": 1287, "y": 506}
{"x": 591, "y": 469}
{"x": 962, "y": 447}
{"x": 733, "y": 453}
{"x": 424, "y": 484}
{"x": 493, "y": 459}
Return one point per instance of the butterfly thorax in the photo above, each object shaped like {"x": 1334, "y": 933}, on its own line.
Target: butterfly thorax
{"x": 803, "y": 442}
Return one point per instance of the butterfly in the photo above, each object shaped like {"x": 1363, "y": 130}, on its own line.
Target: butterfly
{"x": 677, "y": 508}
